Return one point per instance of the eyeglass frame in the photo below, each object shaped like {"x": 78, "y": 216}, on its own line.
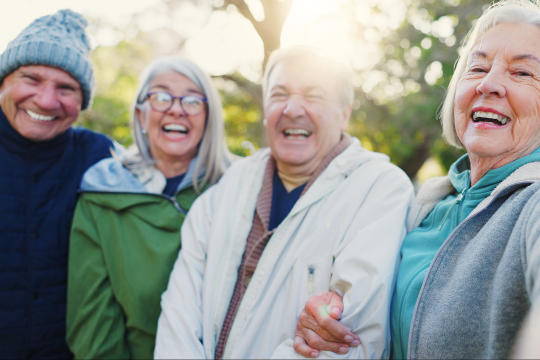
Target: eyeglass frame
{"x": 205, "y": 100}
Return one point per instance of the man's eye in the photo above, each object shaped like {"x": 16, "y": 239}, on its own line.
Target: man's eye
{"x": 523, "y": 73}
{"x": 478, "y": 69}
{"x": 67, "y": 87}
{"x": 279, "y": 95}
{"x": 29, "y": 77}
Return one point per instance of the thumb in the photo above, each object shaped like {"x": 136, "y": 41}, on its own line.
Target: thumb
{"x": 335, "y": 306}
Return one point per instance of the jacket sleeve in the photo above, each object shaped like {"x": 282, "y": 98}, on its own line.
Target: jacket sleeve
{"x": 180, "y": 325}
{"x": 531, "y": 239}
{"x": 365, "y": 267}
{"x": 95, "y": 321}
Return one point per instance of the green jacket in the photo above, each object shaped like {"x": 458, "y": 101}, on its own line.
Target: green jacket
{"x": 123, "y": 248}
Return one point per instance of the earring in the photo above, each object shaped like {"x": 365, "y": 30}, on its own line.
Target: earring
{"x": 144, "y": 131}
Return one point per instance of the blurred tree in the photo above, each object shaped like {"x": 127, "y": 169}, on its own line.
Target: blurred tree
{"x": 402, "y": 65}
{"x": 397, "y": 113}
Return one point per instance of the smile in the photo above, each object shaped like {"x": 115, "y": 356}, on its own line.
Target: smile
{"x": 175, "y": 129}
{"x": 296, "y": 133}
{"x": 35, "y": 116}
{"x": 480, "y": 116}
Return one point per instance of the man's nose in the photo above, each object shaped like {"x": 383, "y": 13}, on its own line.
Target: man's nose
{"x": 47, "y": 98}
{"x": 492, "y": 83}
{"x": 295, "y": 106}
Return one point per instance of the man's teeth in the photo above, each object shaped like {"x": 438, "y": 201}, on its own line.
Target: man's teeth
{"x": 489, "y": 115}
{"x": 35, "y": 116}
{"x": 175, "y": 127}
{"x": 302, "y": 132}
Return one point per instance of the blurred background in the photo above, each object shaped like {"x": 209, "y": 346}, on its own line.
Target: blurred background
{"x": 402, "y": 51}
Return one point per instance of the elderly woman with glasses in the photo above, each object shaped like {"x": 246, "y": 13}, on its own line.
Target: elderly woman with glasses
{"x": 125, "y": 236}
{"x": 470, "y": 265}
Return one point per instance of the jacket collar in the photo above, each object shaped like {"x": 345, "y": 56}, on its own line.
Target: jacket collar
{"x": 16, "y": 143}
{"x": 438, "y": 188}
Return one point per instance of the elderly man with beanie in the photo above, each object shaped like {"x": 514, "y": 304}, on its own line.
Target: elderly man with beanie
{"x": 46, "y": 79}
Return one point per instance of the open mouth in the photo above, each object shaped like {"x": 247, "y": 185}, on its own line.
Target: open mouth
{"x": 40, "y": 117}
{"x": 296, "y": 133}
{"x": 480, "y": 116}
{"x": 176, "y": 129}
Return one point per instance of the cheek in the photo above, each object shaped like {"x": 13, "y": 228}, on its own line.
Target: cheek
{"x": 272, "y": 114}
{"x": 199, "y": 123}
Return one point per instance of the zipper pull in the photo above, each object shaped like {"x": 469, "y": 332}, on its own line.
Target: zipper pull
{"x": 311, "y": 279}
{"x": 457, "y": 201}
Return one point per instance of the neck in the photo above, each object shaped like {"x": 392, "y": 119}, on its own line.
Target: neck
{"x": 296, "y": 172}
{"x": 292, "y": 182}
{"x": 480, "y": 165}
{"x": 172, "y": 167}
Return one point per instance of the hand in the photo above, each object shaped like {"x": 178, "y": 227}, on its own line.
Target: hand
{"x": 318, "y": 328}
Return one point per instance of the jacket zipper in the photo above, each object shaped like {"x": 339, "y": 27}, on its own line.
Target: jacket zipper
{"x": 171, "y": 199}
{"x": 458, "y": 203}
{"x": 448, "y": 239}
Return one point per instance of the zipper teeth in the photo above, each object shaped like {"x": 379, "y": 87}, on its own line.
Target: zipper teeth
{"x": 430, "y": 269}
{"x": 171, "y": 199}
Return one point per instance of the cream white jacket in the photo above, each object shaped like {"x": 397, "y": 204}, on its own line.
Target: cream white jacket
{"x": 344, "y": 234}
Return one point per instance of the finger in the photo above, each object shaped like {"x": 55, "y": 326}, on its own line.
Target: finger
{"x": 335, "y": 304}
{"x": 305, "y": 321}
{"x": 302, "y": 348}
{"x": 319, "y": 310}
{"x": 316, "y": 342}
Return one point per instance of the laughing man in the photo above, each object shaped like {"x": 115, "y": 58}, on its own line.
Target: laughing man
{"x": 46, "y": 79}
{"x": 313, "y": 213}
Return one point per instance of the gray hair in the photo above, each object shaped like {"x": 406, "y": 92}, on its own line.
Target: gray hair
{"x": 213, "y": 155}
{"x": 526, "y": 12}
{"x": 341, "y": 72}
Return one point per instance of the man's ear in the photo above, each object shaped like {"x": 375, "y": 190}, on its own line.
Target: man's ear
{"x": 347, "y": 110}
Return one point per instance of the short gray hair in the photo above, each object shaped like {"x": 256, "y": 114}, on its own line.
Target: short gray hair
{"x": 341, "y": 72}
{"x": 213, "y": 155}
{"x": 525, "y": 12}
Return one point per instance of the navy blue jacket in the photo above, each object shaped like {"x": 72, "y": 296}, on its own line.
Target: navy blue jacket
{"x": 38, "y": 192}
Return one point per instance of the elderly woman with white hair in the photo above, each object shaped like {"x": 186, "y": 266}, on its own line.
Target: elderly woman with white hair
{"x": 125, "y": 236}
{"x": 470, "y": 268}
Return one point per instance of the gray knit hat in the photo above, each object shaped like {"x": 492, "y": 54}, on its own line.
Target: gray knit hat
{"x": 57, "y": 40}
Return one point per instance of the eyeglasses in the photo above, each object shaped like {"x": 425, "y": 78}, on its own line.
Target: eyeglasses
{"x": 162, "y": 102}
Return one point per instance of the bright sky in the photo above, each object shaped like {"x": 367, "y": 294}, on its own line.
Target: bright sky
{"x": 223, "y": 41}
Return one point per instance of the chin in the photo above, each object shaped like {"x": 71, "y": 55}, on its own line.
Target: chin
{"x": 484, "y": 148}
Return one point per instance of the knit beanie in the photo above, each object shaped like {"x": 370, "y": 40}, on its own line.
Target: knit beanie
{"x": 57, "y": 40}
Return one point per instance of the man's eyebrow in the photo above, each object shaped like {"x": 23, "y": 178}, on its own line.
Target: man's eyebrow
{"x": 478, "y": 53}
{"x": 314, "y": 87}
{"x": 526, "y": 56}
{"x": 280, "y": 87}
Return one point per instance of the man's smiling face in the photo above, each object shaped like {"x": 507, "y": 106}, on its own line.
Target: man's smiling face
{"x": 40, "y": 102}
{"x": 304, "y": 115}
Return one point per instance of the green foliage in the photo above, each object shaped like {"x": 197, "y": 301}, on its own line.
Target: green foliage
{"x": 242, "y": 117}
{"x": 403, "y": 122}
{"x": 117, "y": 69}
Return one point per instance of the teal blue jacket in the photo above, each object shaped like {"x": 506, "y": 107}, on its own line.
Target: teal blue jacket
{"x": 420, "y": 245}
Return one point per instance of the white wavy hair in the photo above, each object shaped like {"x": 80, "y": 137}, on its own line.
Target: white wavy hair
{"x": 526, "y": 12}
{"x": 213, "y": 155}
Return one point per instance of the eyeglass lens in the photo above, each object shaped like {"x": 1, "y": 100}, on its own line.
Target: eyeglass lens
{"x": 162, "y": 101}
